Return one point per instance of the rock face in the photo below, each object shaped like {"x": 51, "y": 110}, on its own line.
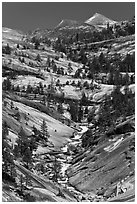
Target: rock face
{"x": 99, "y": 170}
{"x": 98, "y": 19}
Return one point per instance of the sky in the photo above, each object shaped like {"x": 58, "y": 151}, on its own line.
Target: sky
{"x": 28, "y": 16}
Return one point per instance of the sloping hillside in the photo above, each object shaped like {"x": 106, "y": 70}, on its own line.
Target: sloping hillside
{"x": 68, "y": 112}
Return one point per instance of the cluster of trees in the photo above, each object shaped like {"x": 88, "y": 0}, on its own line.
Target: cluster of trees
{"x": 101, "y": 63}
{"x": 22, "y": 149}
{"x": 64, "y": 42}
{"x": 8, "y": 170}
{"x": 128, "y": 64}
{"x": 44, "y": 131}
{"x": 113, "y": 67}
{"x": 81, "y": 85}
{"x": 76, "y": 108}
{"x": 60, "y": 46}
{"x": 110, "y": 32}
{"x": 37, "y": 41}
{"x": 116, "y": 105}
{"x": 6, "y": 49}
{"x": 51, "y": 65}
{"x": 39, "y": 89}
{"x": 23, "y": 152}
{"x": 116, "y": 78}
{"x": 6, "y": 84}
{"x": 21, "y": 59}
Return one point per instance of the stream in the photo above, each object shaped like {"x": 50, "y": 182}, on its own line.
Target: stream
{"x": 65, "y": 163}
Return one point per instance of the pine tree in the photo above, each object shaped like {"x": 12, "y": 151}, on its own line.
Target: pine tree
{"x": 11, "y": 105}
{"x": 48, "y": 63}
{"x": 56, "y": 170}
{"x": 60, "y": 108}
{"x": 27, "y": 157}
{"x": 29, "y": 89}
{"x": 54, "y": 67}
{"x": 21, "y": 141}
{"x": 95, "y": 65}
{"x": 80, "y": 114}
{"x": 70, "y": 69}
{"x": 5, "y": 103}
{"x": 38, "y": 58}
{"x": 24, "y": 148}
{"x": 6, "y": 84}
{"x": 18, "y": 46}
{"x": 44, "y": 131}
{"x": 44, "y": 100}
{"x": 7, "y": 49}
{"x": 7, "y": 153}
{"x": 37, "y": 44}
{"x": 84, "y": 99}
{"x": 74, "y": 111}
{"x": 86, "y": 110}
{"x": 18, "y": 88}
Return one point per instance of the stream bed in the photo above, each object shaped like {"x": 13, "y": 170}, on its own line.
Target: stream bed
{"x": 65, "y": 163}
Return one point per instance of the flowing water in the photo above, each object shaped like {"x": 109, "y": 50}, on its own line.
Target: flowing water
{"x": 65, "y": 163}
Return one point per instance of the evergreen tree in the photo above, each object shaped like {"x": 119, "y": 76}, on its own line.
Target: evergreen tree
{"x": 27, "y": 157}
{"x": 56, "y": 168}
{"x": 29, "y": 89}
{"x": 7, "y": 154}
{"x": 67, "y": 82}
{"x": 22, "y": 143}
{"x": 44, "y": 131}
{"x": 24, "y": 148}
{"x": 111, "y": 78}
{"x": 11, "y": 105}
{"x": 5, "y": 103}
{"x": 73, "y": 111}
{"x": 18, "y": 116}
{"x": 18, "y": 46}
{"x": 54, "y": 67}
{"x": 7, "y": 49}
{"x": 84, "y": 99}
{"x": 70, "y": 69}
{"x": 44, "y": 99}
{"x": 38, "y": 58}
{"x": 58, "y": 82}
{"x": 86, "y": 110}
{"x": 60, "y": 108}
{"x": 48, "y": 63}
{"x": 80, "y": 114}
{"x": 37, "y": 44}
{"x": 18, "y": 88}
{"x": 95, "y": 65}
{"x": 6, "y": 84}
{"x": 22, "y": 60}
{"x": 126, "y": 79}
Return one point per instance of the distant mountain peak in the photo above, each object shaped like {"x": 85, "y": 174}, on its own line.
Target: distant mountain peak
{"x": 99, "y": 19}
{"x": 68, "y": 23}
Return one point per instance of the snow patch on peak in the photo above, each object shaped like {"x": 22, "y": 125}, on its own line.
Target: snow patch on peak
{"x": 99, "y": 19}
{"x": 68, "y": 23}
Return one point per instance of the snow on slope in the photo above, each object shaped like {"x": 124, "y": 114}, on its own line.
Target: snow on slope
{"x": 67, "y": 22}
{"x": 98, "y": 19}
